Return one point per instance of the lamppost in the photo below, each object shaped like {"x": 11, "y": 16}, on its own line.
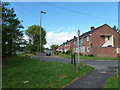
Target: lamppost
{"x": 41, "y": 28}
{"x": 78, "y": 45}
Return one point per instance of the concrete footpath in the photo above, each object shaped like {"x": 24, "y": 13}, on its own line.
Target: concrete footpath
{"x": 93, "y": 79}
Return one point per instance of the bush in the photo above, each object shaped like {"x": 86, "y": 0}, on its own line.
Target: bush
{"x": 63, "y": 52}
{"x": 56, "y": 52}
{"x": 80, "y": 53}
{"x": 68, "y": 51}
{"x": 91, "y": 55}
{"x": 59, "y": 51}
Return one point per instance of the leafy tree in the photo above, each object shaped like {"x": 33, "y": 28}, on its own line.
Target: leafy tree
{"x": 11, "y": 34}
{"x": 33, "y": 32}
{"x": 54, "y": 47}
{"x": 117, "y": 29}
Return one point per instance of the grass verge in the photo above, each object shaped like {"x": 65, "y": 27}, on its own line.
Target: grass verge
{"x": 112, "y": 82}
{"x": 22, "y": 72}
{"x": 87, "y": 57}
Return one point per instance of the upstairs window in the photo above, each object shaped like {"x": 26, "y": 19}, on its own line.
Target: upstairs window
{"x": 88, "y": 38}
{"x": 83, "y": 49}
{"x": 82, "y": 40}
{"x": 88, "y": 49}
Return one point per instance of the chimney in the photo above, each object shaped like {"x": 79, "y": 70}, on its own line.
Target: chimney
{"x": 92, "y": 28}
{"x": 74, "y": 37}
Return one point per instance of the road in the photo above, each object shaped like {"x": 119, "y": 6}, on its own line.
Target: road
{"x": 96, "y": 78}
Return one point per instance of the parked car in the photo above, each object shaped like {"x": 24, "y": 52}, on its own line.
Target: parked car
{"x": 48, "y": 52}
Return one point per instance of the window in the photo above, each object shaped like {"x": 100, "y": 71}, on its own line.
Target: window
{"x": 88, "y": 49}
{"x": 82, "y": 40}
{"x": 88, "y": 38}
{"x": 107, "y": 38}
{"x": 83, "y": 49}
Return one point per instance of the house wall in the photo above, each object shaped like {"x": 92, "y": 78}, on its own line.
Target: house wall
{"x": 72, "y": 45}
{"x": 85, "y": 44}
{"x": 95, "y": 43}
{"x": 97, "y": 40}
{"x": 104, "y": 51}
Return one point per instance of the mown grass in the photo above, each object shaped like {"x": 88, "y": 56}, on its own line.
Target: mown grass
{"x": 23, "y": 72}
{"x": 112, "y": 82}
{"x": 87, "y": 57}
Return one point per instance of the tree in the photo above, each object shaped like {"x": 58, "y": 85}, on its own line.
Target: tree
{"x": 117, "y": 29}
{"x": 33, "y": 32}
{"x": 54, "y": 47}
{"x": 11, "y": 34}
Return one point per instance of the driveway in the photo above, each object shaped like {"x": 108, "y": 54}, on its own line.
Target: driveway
{"x": 95, "y": 78}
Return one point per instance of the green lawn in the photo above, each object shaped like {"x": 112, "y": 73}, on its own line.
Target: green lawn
{"x": 112, "y": 82}
{"x": 22, "y": 72}
{"x": 87, "y": 57}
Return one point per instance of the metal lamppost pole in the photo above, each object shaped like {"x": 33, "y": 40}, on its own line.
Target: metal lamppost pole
{"x": 78, "y": 45}
{"x": 41, "y": 28}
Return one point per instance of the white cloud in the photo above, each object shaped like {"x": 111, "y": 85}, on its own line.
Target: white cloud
{"x": 25, "y": 37}
{"x": 60, "y": 37}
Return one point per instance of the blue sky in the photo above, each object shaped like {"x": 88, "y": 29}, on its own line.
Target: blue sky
{"x": 66, "y": 17}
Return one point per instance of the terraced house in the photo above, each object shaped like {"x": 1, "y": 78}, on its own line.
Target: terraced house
{"x": 103, "y": 41}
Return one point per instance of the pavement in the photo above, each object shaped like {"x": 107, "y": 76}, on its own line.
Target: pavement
{"x": 96, "y": 78}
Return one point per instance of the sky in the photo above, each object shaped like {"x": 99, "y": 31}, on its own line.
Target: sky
{"x": 63, "y": 19}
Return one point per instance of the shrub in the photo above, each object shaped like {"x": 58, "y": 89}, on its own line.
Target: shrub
{"x": 68, "y": 51}
{"x": 91, "y": 55}
{"x": 80, "y": 53}
{"x": 59, "y": 51}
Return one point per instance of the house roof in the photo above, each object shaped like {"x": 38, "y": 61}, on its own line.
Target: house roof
{"x": 89, "y": 32}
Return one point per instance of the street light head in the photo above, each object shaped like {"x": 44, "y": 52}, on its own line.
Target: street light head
{"x": 43, "y": 12}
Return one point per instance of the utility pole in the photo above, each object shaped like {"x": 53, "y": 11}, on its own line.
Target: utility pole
{"x": 78, "y": 46}
{"x": 41, "y": 28}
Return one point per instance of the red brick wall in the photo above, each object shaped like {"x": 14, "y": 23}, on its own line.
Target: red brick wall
{"x": 97, "y": 40}
{"x": 119, "y": 40}
{"x": 118, "y": 55}
{"x": 104, "y": 51}
{"x": 71, "y": 45}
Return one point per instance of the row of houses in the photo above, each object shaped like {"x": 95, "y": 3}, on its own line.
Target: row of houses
{"x": 103, "y": 41}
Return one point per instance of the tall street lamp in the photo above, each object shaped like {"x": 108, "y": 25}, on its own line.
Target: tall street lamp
{"x": 41, "y": 28}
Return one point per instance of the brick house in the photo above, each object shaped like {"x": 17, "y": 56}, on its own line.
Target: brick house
{"x": 100, "y": 42}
